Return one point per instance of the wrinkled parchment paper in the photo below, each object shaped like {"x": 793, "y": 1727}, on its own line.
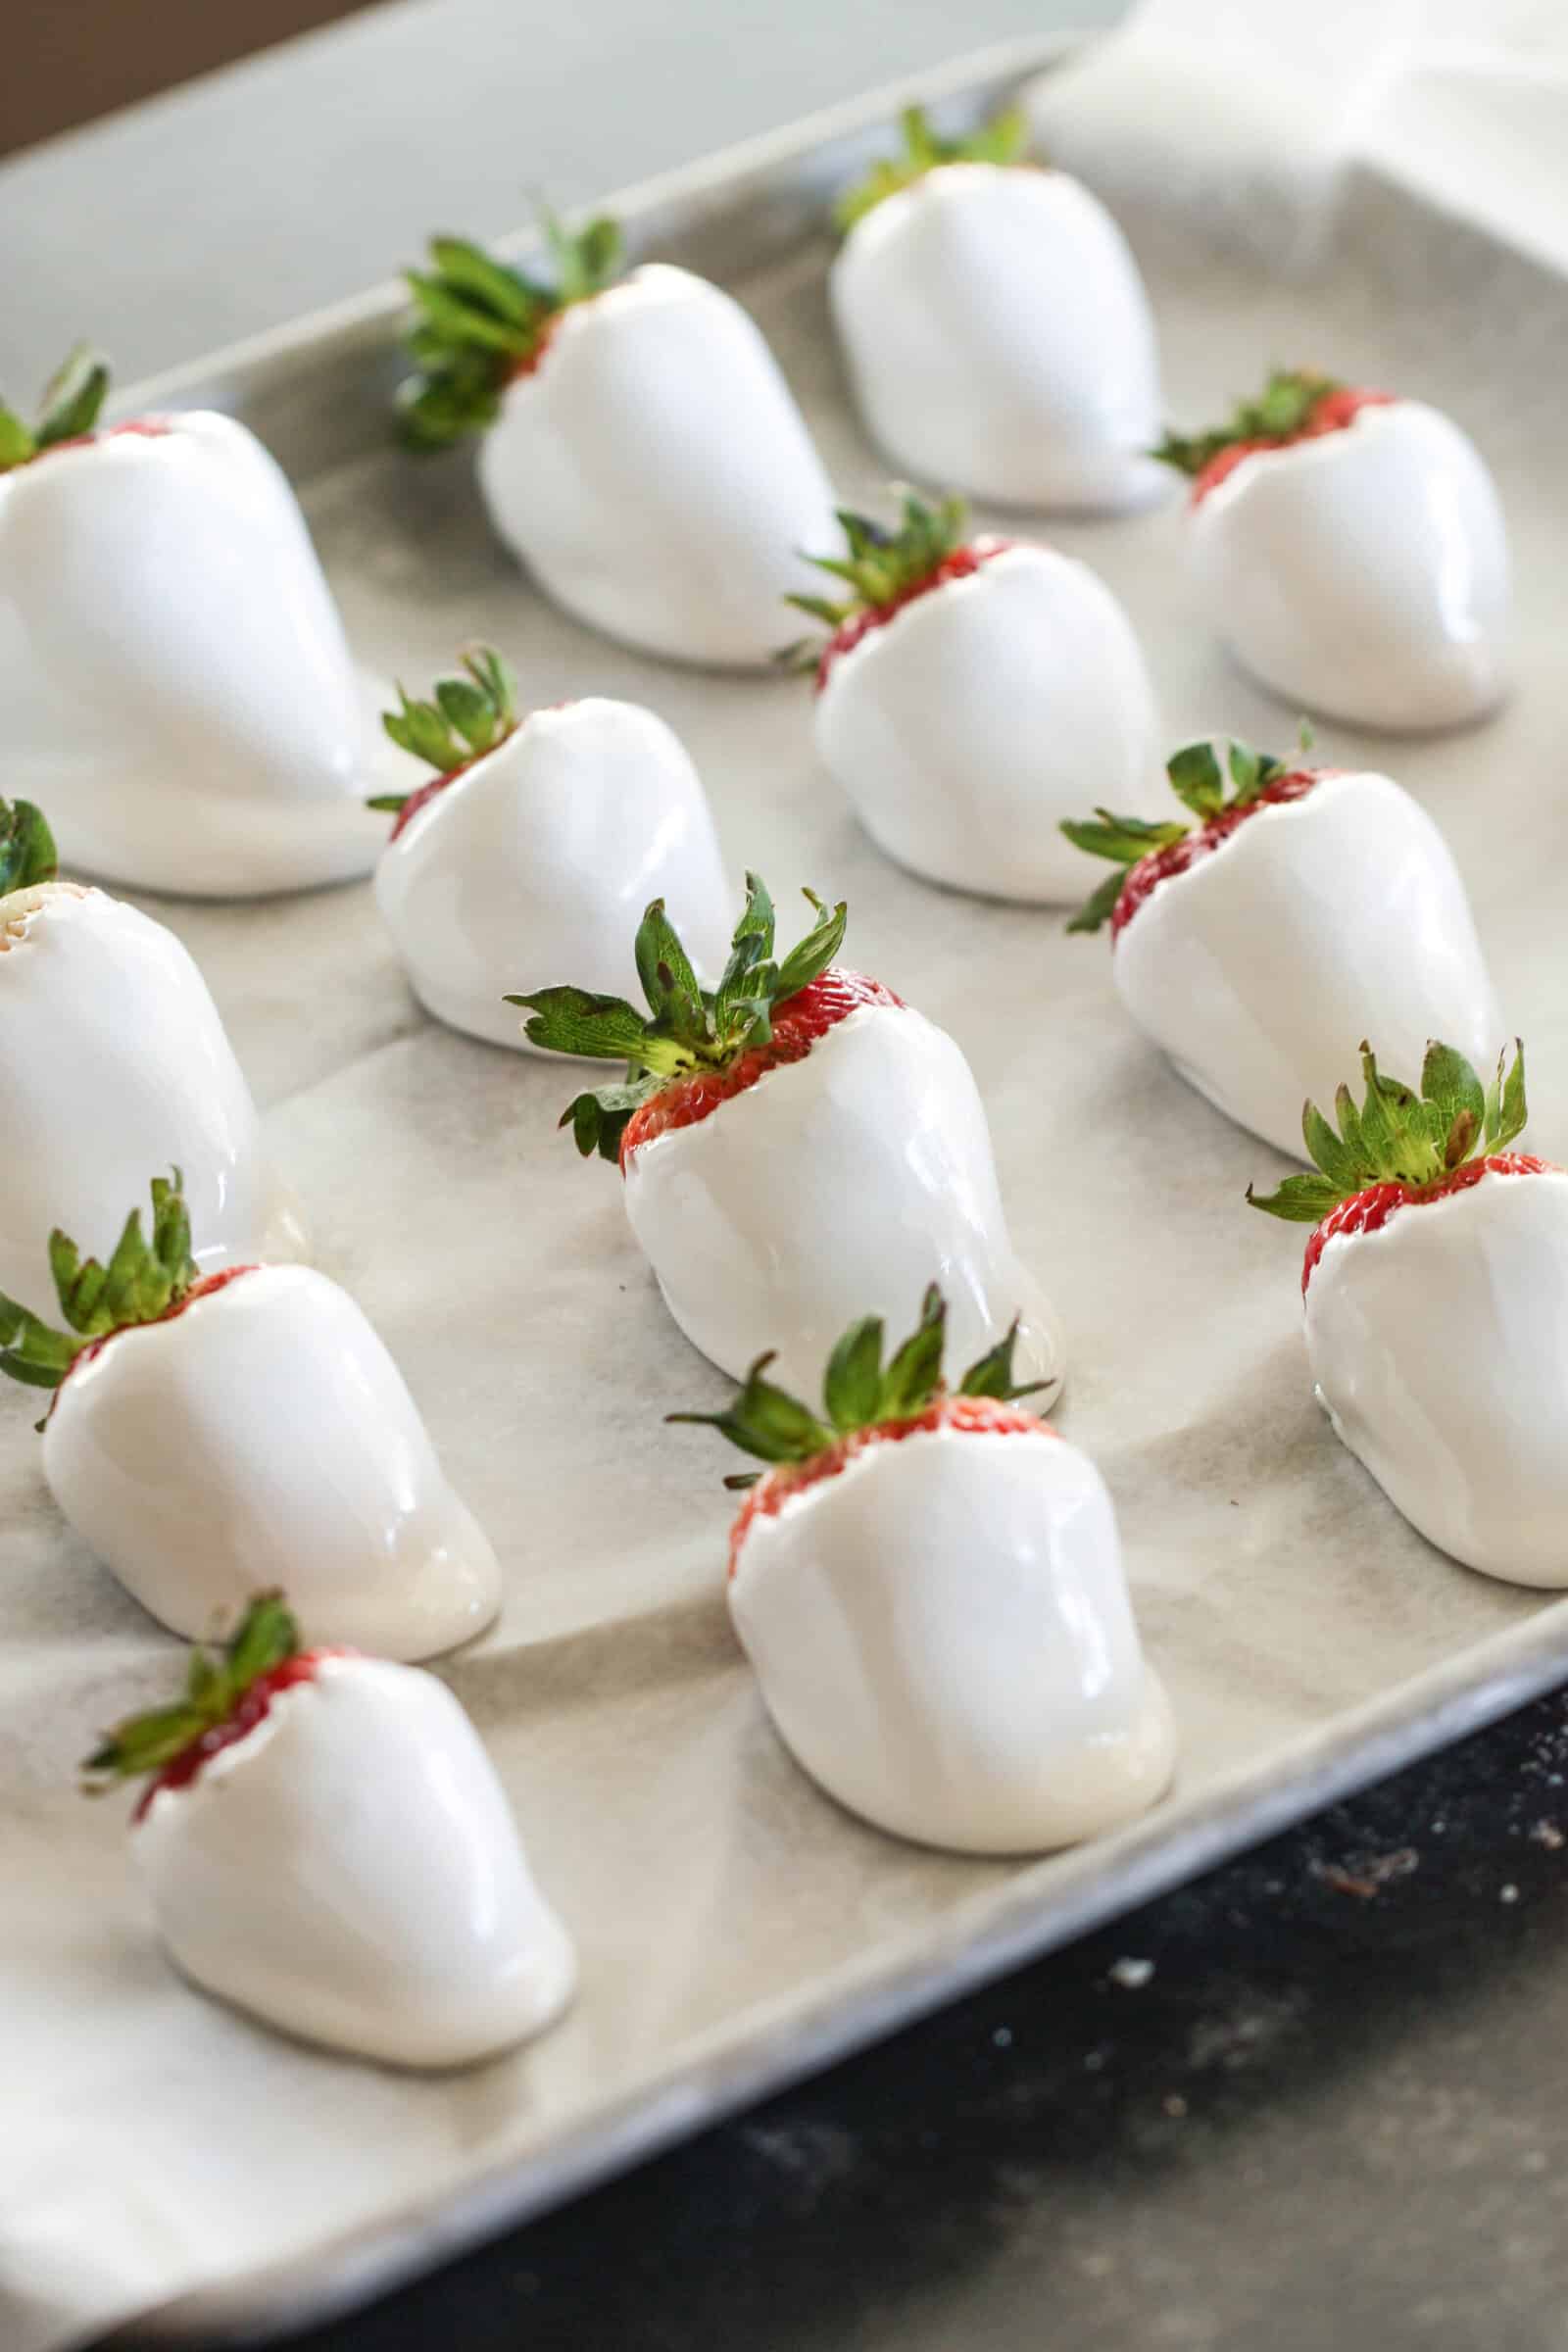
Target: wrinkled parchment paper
{"x": 731, "y": 1922}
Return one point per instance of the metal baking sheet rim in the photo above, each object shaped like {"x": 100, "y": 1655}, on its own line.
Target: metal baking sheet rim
{"x": 1013, "y": 1927}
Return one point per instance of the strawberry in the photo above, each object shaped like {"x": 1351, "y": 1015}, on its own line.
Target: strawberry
{"x": 929, "y": 1586}
{"x": 538, "y": 827}
{"x": 994, "y": 326}
{"x": 172, "y": 665}
{"x": 113, "y": 1058}
{"x": 1348, "y": 547}
{"x": 968, "y": 692}
{"x": 1257, "y": 941}
{"x": 324, "y": 1843}
{"x": 1435, "y": 1291}
{"x": 205, "y": 1432}
{"x": 793, "y": 1138}
{"x": 641, "y": 453}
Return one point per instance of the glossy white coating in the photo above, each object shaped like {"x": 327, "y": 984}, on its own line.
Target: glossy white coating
{"x": 943, "y": 1637}
{"x": 837, "y": 1187}
{"x": 655, "y": 474}
{"x": 1317, "y": 923}
{"x": 349, "y": 1871}
{"x": 178, "y": 695}
{"x": 264, "y": 1437}
{"x": 1364, "y": 573}
{"x": 540, "y": 858}
{"x": 1000, "y": 341}
{"x": 966, "y": 728}
{"x": 114, "y": 1068}
{"x": 1440, "y": 1349}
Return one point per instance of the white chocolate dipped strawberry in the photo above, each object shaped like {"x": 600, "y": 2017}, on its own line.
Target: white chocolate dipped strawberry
{"x": 929, "y": 1586}
{"x": 324, "y": 1843}
{"x": 1349, "y": 548}
{"x": 206, "y": 1433}
{"x": 540, "y": 837}
{"x": 171, "y": 664}
{"x": 970, "y": 694}
{"x": 995, "y": 327}
{"x": 114, "y": 1059}
{"x": 793, "y": 1143}
{"x": 1435, "y": 1289}
{"x": 1259, "y": 941}
{"x": 641, "y": 454}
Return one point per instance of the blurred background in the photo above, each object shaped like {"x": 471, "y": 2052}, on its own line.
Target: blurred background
{"x": 317, "y": 162}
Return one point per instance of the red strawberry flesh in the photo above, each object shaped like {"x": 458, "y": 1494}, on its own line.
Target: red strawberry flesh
{"x": 1161, "y": 865}
{"x": 961, "y": 564}
{"x": 985, "y": 1416}
{"x": 1370, "y": 1210}
{"x": 797, "y": 1023}
{"x": 142, "y": 428}
{"x": 253, "y": 1705}
{"x": 209, "y": 1284}
{"x": 1330, "y": 414}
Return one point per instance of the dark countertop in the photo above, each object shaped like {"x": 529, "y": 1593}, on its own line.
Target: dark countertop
{"x": 1335, "y": 2113}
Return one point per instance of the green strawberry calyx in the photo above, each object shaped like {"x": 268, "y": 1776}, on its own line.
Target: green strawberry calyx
{"x": 142, "y": 1281}
{"x": 1198, "y": 783}
{"x": 1001, "y": 140}
{"x": 860, "y": 1392}
{"x": 478, "y": 322}
{"x": 27, "y": 854}
{"x": 1282, "y": 411}
{"x": 1417, "y": 1138}
{"x": 687, "y": 1028}
{"x": 881, "y": 568}
{"x": 465, "y": 718}
{"x": 216, "y": 1681}
{"x": 72, "y": 400}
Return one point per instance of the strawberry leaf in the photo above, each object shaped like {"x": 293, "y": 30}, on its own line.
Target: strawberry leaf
{"x": 1401, "y": 1135}
{"x": 1198, "y": 783}
{"x": 858, "y": 1393}
{"x": 1282, "y": 411}
{"x": 27, "y": 848}
{"x": 72, "y": 400}
{"x": 882, "y": 568}
{"x": 465, "y": 718}
{"x": 266, "y": 1639}
{"x": 141, "y": 1282}
{"x": 1001, "y": 140}
{"x": 477, "y": 323}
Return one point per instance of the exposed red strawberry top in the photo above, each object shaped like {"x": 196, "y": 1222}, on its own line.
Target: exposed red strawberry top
{"x": 227, "y": 1693}
{"x": 1179, "y": 856}
{"x": 253, "y": 1703}
{"x": 465, "y": 719}
{"x": 1330, "y": 414}
{"x": 141, "y": 428}
{"x": 204, "y": 1289}
{"x": 1369, "y": 1211}
{"x": 797, "y": 1023}
{"x": 987, "y": 1416}
{"x": 885, "y": 570}
{"x": 1405, "y": 1146}
{"x": 961, "y": 564}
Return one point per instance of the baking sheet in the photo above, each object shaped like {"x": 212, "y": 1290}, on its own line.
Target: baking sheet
{"x": 734, "y": 1927}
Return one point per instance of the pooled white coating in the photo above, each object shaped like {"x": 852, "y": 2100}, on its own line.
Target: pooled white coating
{"x": 966, "y": 726}
{"x": 351, "y": 1871}
{"x": 1440, "y": 1347}
{"x": 942, "y": 1635}
{"x": 1000, "y": 341}
{"x": 1318, "y": 922}
{"x": 114, "y": 1068}
{"x": 264, "y": 1437}
{"x": 837, "y": 1187}
{"x": 1364, "y": 573}
{"x": 656, "y": 476}
{"x": 540, "y": 860}
{"x": 177, "y": 690}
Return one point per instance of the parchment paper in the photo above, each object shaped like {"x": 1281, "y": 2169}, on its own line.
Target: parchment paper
{"x": 731, "y": 1922}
